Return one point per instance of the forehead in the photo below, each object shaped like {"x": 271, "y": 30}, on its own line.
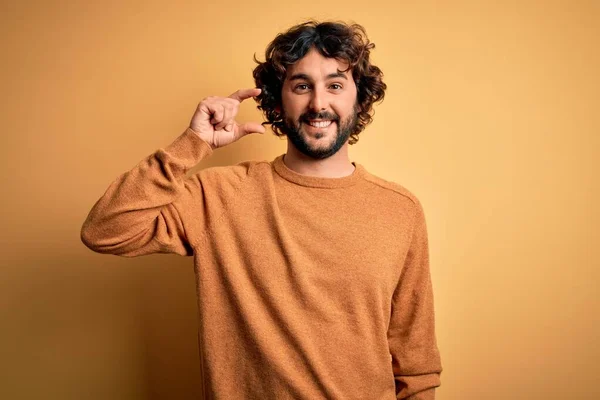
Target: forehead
{"x": 316, "y": 66}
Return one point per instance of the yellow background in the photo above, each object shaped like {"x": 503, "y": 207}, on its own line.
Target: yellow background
{"x": 491, "y": 118}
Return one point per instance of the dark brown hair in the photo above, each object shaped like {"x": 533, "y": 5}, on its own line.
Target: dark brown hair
{"x": 348, "y": 43}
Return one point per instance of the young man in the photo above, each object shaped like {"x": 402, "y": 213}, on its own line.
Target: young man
{"x": 312, "y": 274}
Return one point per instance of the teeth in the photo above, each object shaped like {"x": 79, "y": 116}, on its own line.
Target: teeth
{"x": 320, "y": 124}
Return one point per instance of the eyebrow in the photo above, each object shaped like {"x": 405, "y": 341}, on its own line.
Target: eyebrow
{"x": 305, "y": 77}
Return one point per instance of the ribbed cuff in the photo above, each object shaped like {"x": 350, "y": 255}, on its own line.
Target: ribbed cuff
{"x": 188, "y": 149}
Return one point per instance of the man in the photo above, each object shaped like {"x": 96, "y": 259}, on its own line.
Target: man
{"x": 312, "y": 274}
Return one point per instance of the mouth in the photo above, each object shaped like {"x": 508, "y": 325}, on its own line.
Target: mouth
{"x": 319, "y": 123}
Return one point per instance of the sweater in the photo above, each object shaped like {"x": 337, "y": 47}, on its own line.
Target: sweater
{"x": 307, "y": 287}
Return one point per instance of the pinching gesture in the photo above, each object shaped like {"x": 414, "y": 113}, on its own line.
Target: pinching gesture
{"x": 214, "y": 119}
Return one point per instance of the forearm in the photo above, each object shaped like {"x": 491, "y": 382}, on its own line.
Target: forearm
{"x": 137, "y": 213}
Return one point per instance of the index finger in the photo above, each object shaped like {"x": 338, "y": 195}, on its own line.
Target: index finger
{"x": 244, "y": 94}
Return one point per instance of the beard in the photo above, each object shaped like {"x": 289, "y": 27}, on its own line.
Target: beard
{"x": 293, "y": 130}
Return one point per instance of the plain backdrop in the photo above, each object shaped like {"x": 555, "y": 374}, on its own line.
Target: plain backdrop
{"x": 491, "y": 118}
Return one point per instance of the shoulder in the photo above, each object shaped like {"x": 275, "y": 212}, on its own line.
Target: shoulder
{"x": 393, "y": 200}
{"x": 392, "y": 190}
{"x": 393, "y": 203}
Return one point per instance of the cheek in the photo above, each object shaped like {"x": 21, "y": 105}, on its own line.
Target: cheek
{"x": 292, "y": 105}
{"x": 346, "y": 107}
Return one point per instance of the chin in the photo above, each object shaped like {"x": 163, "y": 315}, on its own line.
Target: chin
{"x": 330, "y": 142}
{"x": 319, "y": 144}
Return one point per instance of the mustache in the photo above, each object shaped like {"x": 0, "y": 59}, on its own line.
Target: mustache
{"x": 319, "y": 115}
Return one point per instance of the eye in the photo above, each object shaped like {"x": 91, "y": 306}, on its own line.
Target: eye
{"x": 336, "y": 86}
{"x": 301, "y": 87}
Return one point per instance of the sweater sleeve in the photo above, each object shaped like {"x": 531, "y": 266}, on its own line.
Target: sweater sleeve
{"x": 415, "y": 357}
{"x": 143, "y": 210}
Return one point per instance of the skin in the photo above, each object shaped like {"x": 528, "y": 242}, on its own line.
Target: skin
{"x": 315, "y": 84}
{"x": 214, "y": 119}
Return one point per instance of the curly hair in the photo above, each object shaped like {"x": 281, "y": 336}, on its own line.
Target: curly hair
{"x": 348, "y": 43}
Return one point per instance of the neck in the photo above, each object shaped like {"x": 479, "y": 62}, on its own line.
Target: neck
{"x": 336, "y": 166}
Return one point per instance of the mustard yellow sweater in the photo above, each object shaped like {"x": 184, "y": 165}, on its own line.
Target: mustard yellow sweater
{"x": 308, "y": 288}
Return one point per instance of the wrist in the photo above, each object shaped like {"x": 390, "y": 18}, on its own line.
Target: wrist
{"x": 207, "y": 138}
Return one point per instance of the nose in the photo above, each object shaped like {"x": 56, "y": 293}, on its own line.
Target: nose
{"x": 318, "y": 100}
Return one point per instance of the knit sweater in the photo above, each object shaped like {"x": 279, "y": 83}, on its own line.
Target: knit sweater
{"x": 308, "y": 287}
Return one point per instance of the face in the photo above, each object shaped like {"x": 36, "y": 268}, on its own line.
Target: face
{"x": 318, "y": 105}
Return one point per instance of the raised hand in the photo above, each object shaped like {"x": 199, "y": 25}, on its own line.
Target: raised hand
{"x": 214, "y": 119}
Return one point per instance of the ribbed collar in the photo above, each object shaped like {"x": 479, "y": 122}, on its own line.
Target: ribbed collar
{"x": 315, "y": 181}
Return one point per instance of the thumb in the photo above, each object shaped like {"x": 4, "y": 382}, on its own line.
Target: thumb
{"x": 250, "y": 127}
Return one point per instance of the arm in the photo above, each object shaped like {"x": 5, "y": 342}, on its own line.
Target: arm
{"x": 144, "y": 210}
{"x": 141, "y": 211}
{"x": 415, "y": 357}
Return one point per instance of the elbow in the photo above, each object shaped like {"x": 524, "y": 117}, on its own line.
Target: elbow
{"x": 90, "y": 238}
{"x": 95, "y": 238}
{"x": 107, "y": 240}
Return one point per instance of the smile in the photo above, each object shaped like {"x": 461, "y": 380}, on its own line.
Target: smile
{"x": 319, "y": 124}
